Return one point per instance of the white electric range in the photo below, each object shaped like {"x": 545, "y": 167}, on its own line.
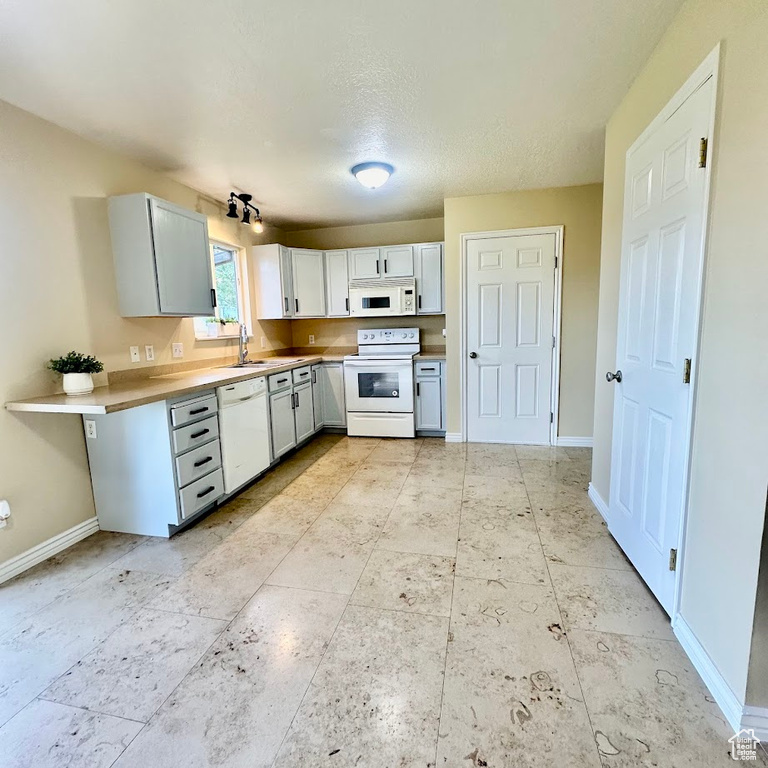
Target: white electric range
{"x": 378, "y": 383}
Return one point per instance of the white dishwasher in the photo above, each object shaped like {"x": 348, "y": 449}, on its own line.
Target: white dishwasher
{"x": 244, "y": 431}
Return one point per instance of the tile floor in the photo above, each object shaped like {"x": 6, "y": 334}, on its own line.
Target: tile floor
{"x": 374, "y": 603}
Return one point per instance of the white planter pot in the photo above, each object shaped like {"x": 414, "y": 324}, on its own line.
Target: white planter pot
{"x": 212, "y": 329}
{"x": 78, "y": 383}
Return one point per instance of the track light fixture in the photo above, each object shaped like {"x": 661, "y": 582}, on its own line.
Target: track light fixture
{"x": 245, "y": 199}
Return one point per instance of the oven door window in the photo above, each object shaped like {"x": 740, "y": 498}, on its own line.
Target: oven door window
{"x": 377, "y": 302}
{"x": 378, "y": 385}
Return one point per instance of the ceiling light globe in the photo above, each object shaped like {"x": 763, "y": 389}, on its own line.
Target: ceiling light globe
{"x": 258, "y": 226}
{"x": 372, "y": 175}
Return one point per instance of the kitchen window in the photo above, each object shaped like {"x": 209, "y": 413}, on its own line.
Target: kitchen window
{"x": 232, "y": 306}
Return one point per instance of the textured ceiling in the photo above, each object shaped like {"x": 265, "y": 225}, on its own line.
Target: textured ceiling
{"x": 281, "y": 98}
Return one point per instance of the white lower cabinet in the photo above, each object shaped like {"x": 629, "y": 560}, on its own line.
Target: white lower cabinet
{"x": 429, "y": 402}
{"x": 334, "y": 402}
{"x": 283, "y": 423}
{"x": 303, "y": 411}
{"x": 317, "y": 395}
{"x": 156, "y": 466}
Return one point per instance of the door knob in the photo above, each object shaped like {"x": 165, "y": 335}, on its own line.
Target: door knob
{"x": 613, "y": 377}
{"x": 473, "y": 355}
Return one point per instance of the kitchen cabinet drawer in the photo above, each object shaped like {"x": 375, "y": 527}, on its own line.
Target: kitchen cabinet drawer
{"x": 428, "y": 368}
{"x": 201, "y": 493}
{"x": 198, "y": 462}
{"x": 193, "y": 410}
{"x": 195, "y": 434}
{"x": 278, "y": 381}
{"x": 301, "y": 375}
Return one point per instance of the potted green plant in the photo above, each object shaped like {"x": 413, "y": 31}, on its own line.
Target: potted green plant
{"x": 212, "y": 327}
{"x": 76, "y": 370}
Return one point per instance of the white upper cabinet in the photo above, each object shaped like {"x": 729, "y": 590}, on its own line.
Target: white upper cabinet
{"x": 364, "y": 264}
{"x": 308, "y": 283}
{"x": 397, "y": 261}
{"x": 429, "y": 279}
{"x": 336, "y": 284}
{"x": 272, "y": 270}
{"x": 162, "y": 258}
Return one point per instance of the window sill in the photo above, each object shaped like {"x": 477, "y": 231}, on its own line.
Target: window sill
{"x": 227, "y": 337}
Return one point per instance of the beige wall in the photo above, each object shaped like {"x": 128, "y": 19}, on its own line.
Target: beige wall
{"x": 362, "y": 235}
{"x": 578, "y": 209}
{"x": 730, "y": 451}
{"x": 57, "y": 293}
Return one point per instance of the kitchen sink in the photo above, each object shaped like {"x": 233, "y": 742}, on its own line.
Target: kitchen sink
{"x": 265, "y": 363}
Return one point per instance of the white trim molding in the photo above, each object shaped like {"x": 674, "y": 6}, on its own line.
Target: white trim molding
{"x": 574, "y": 442}
{"x": 52, "y": 546}
{"x": 756, "y": 718}
{"x": 454, "y": 437}
{"x": 599, "y": 502}
{"x": 721, "y": 692}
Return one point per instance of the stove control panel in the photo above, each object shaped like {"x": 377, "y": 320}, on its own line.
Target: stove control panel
{"x": 389, "y": 336}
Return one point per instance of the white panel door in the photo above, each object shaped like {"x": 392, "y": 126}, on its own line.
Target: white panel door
{"x": 308, "y": 283}
{"x": 510, "y": 293}
{"x": 397, "y": 261}
{"x": 364, "y": 263}
{"x": 661, "y": 260}
{"x": 336, "y": 284}
{"x": 182, "y": 260}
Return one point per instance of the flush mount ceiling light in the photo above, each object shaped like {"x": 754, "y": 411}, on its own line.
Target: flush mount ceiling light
{"x": 372, "y": 175}
{"x": 245, "y": 199}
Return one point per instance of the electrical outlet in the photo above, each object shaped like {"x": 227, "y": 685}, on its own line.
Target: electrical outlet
{"x": 311, "y": 338}
{"x": 177, "y": 349}
{"x": 135, "y": 356}
{"x": 5, "y": 512}
{"x": 263, "y": 342}
{"x": 443, "y": 332}
{"x": 90, "y": 428}
{"x": 149, "y": 351}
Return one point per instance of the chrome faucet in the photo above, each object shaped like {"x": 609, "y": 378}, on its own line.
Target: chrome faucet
{"x": 243, "y": 345}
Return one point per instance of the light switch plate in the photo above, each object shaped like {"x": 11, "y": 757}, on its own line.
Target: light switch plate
{"x": 90, "y": 428}
{"x": 311, "y": 338}
{"x": 149, "y": 351}
{"x": 263, "y": 342}
{"x": 135, "y": 356}
{"x": 177, "y": 349}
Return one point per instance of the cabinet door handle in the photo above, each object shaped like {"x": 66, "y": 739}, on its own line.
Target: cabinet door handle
{"x": 314, "y": 377}
{"x": 297, "y": 304}
{"x": 418, "y": 389}
{"x": 281, "y": 381}
{"x": 385, "y": 266}
{"x": 195, "y": 411}
{"x": 377, "y": 266}
{"x": 427, "y": 369}
{"x": 287, "y": 310}
{"x": 206, "y": 491}
{"x": 347, "y": 303}
{"x": 202, "y": 432}
{"x": 419, "y": 301}
{"x": 203, "y": 461}
{"x": 304, "y": 373}
{"x": 293, "y": 401}
{"x": 297, "y": 399}
{"x": 213, "y": 297}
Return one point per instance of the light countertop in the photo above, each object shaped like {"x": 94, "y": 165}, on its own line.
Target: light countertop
{"x": 132, "y": 393}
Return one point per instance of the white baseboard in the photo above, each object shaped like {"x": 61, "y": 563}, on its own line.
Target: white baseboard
{"x": 53, "y": 546}
{"x": 453, "y": 437}
{"x": 574, "y": 442}
{"x": 756, "y": 719}
{"x": 598, "y": 501}
{"x": 721, "y": 692}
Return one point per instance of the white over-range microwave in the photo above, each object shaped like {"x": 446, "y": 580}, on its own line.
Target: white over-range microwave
{"x": 377, "y": 298}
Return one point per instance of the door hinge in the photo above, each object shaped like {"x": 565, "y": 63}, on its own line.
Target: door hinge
{"x": 703, "y": 144}
{"x": 672, "y": 559}
{"x": 687, "y": 371}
